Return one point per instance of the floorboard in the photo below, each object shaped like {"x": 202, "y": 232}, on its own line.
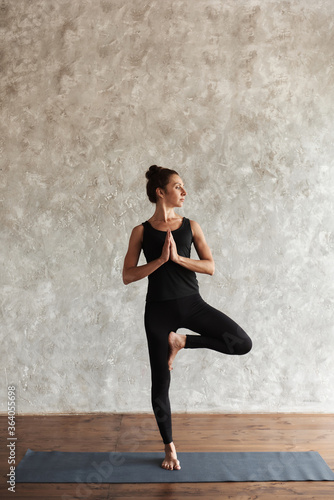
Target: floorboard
{"x": 191, "y": 432}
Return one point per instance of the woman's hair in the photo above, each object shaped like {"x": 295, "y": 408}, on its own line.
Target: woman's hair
{"x": 157, "y": 177}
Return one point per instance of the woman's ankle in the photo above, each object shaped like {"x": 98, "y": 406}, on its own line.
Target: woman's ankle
{"x": 170, "y": 446}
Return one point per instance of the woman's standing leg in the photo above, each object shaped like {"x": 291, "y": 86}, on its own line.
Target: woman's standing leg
{"x": 160, "y": 319}
{"x": 157, "y": 340}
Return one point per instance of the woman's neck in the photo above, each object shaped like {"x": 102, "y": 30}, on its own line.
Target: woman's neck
{"x": 164, "y": 214}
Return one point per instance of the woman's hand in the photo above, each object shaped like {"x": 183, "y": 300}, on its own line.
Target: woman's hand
{"x": 169, "y": 250}
{"x": 165, "y": 254}
{"x": 173, "y": 250}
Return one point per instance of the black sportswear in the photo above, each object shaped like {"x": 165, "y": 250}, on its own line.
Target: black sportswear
{"x": 169, "y": 281}
{"x": 172, "y": 302}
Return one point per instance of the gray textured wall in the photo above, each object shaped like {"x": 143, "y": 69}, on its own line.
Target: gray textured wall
{"x": 238, "y": 96}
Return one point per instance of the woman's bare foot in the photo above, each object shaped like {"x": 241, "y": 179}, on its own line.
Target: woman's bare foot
{"x": 170, "y": 462}
{"x": 175, "y": 343}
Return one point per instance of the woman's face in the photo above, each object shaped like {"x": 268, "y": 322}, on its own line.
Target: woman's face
{"x": 174, "y": 193}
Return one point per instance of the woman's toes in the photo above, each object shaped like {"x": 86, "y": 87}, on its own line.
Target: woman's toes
{"x": 174, "y": 464}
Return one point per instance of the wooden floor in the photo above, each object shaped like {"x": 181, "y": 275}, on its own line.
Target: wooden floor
{"x": 191, "y": 432}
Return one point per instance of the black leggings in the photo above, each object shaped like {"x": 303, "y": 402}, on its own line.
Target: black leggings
{"x": 217, "y": 332}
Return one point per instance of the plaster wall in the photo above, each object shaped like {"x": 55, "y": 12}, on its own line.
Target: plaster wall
{"x": 238, "y": 96}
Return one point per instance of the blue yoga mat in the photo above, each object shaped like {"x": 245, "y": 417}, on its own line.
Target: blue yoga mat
{"x": 201, "y": 467}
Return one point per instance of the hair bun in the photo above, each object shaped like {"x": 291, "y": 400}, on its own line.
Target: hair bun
{"x": 152, "y": 171}
{"x": 157, "y": 177}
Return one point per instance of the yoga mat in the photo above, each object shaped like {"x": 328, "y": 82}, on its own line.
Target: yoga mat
{"x": 201, "y": 467}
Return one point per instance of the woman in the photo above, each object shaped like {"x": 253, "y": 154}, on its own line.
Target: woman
{"x": 173, "y": 300}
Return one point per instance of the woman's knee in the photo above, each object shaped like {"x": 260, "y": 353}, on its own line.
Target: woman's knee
{"x": 237, "y": 343}
{"x": 246, "y": 346}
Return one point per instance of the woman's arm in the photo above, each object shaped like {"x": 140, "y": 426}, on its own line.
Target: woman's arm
{"x": 206, "y": 263}
{"x": 133, "y": 272}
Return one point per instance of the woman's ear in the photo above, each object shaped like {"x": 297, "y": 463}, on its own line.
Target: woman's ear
{"x": 159, "y": 193}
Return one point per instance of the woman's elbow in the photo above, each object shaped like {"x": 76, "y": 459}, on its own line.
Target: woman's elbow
{"x": 126, "y": 279}
{"x": 212, "y": 269}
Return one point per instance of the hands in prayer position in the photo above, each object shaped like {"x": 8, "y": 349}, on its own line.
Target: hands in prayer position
{"x": 169, "y": 250}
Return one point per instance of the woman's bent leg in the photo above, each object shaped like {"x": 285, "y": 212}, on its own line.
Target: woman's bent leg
{"x": 217, "y": 331}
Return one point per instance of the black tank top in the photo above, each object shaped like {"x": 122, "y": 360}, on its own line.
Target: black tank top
{"x": 169, "y": 281}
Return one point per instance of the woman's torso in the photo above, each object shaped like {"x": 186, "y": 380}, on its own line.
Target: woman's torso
{"x": 171, "y": 280}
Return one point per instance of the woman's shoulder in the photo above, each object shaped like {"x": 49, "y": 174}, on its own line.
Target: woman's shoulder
{"x": 139, "y": 228}
{"x": 137, "y": 231}
{"x": 136, "y": 237}
{"x": 194, "y": 224}
{"x": 195, "y": 229}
